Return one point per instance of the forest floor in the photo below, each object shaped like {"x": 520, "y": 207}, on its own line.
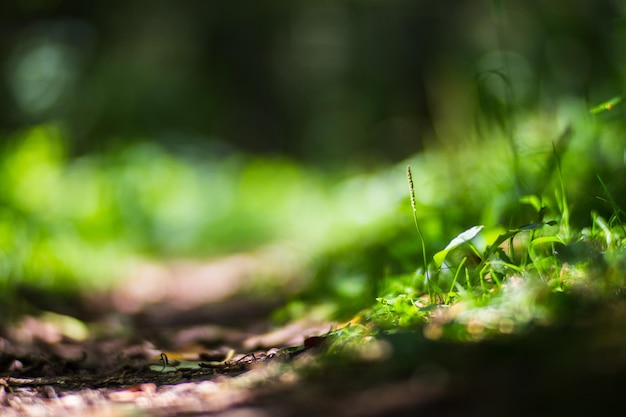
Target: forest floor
{"x": 200, "y": 350}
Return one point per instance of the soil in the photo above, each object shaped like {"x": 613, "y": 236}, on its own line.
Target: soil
{"x": 187, "y": 355}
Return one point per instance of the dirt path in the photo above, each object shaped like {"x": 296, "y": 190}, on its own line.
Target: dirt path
{"x": 178, "y": 338}
{"x": 179, "y": 354}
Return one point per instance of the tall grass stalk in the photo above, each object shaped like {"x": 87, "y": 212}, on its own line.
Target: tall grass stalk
{"x": 409, "y": 176}
{"x": 431, "y": 286}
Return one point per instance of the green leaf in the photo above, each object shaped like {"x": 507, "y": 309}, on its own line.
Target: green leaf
{"x": 462, "y": 238}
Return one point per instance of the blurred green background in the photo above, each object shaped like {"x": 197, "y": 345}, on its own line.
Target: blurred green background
{"x": 329, "y": 81}
{"x": 191, "y": 129}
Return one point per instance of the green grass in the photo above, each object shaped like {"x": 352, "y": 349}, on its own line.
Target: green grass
{"x": 476, "y": 252}
{"x": 514, "y": 259}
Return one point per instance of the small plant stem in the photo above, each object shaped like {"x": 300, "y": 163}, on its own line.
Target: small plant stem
{"x": 409, "y": 177}
{"x": 456, "y": 275}
{"x": 482, "y": 279}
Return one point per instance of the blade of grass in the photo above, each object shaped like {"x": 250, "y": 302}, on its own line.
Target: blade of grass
{"x": 617, "y": 210}
{"x": 456, "y": 275}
